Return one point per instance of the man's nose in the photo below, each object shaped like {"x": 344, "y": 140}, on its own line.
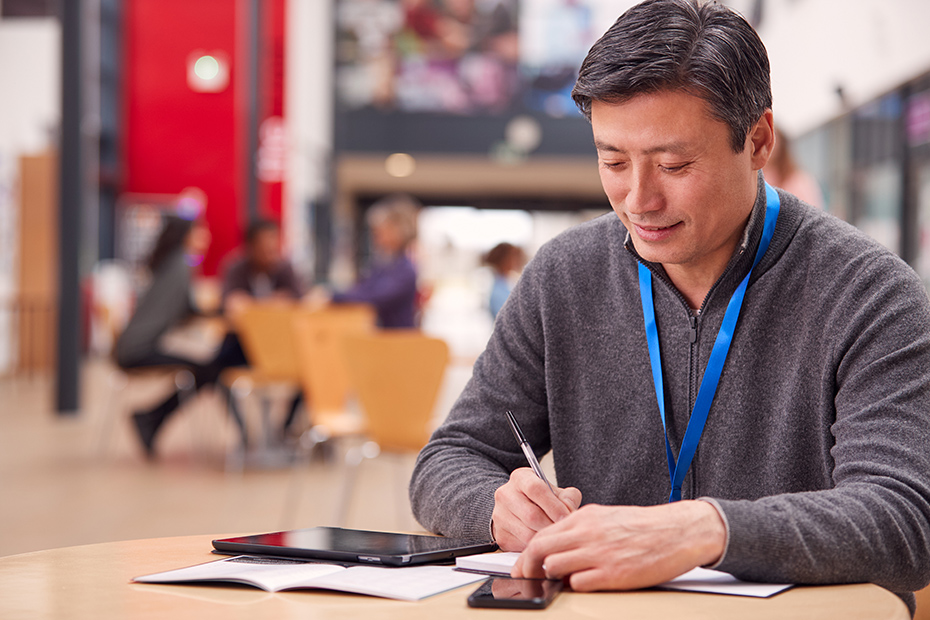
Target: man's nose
{"x": 642, "y": 194}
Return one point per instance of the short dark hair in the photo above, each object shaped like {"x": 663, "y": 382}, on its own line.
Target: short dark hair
{"x": 706, "y": 49}
{"x": 257, "y": 227}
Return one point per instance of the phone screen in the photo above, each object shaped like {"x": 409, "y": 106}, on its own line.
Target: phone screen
{"x": 515, "y": 593}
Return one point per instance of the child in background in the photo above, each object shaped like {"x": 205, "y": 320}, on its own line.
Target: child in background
{"x": 503, "y": 259}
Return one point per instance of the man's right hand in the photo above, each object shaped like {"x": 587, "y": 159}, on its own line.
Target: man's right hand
{"x": 525, "y": 505}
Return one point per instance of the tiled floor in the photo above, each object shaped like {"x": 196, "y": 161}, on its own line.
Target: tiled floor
{"x": 58, "y": 488}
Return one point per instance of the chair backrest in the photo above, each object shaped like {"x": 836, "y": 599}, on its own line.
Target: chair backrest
{"x": 318, "y": 337}
{"x": 397, "y": 375}
{"x": 267, "y": 337}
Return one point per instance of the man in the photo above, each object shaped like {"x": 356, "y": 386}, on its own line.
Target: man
{"x": 261, "y": 273}
{"x": 813, "y": 465}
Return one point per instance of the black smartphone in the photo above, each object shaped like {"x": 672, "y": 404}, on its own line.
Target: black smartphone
{"x": 513, "y": 593}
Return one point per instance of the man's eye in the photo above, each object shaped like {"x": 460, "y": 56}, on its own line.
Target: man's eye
{"x": 673, "y": 167}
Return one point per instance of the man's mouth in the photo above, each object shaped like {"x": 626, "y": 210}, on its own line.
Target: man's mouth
{"x": 655, "y": 233}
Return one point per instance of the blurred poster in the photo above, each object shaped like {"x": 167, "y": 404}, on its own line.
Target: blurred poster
{"x": 465, "y": 56}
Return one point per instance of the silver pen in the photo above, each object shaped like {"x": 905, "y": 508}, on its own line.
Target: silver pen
{"x": 527, "y": 450}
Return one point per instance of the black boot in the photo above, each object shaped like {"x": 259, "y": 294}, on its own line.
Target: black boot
{"x": 148, "y": 422}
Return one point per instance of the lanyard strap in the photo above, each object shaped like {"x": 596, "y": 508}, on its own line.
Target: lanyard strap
{"x": 718, "y": 355}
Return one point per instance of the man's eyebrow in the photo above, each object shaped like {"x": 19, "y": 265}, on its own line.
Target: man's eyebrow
{"x": 604, "y": 146}
{"x": 677, "y": 148}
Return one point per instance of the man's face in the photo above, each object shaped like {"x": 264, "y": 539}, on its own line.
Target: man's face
{"x": 672, "y": 177}
{"x": 265, "y": 249}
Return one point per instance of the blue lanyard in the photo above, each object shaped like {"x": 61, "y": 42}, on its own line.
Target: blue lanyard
{"x": 718, "y": 355}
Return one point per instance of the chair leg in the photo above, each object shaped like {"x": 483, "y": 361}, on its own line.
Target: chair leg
{"x": 231, "y": 397}
{"x": 354, "y": 458}
{"x": 307, "y": 444}
{"x": 240, "y": 389}
{"x": 117, "y": 381}
{"x": 186, "y": 386}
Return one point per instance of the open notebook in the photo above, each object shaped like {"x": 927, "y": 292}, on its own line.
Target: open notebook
{"x": 273, "y": 574}
{"x": 696, "y": 580}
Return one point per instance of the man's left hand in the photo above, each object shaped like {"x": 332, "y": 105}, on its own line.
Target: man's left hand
{"x": 625, "y": 547}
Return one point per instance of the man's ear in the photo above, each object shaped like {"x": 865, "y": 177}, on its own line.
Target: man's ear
{"x": 761, "y": 140}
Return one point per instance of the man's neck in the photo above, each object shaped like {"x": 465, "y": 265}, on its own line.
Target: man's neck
{"x": 694, "y": 284}
{"x": 694, "y": 280}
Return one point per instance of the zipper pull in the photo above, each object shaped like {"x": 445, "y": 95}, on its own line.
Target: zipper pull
{"x": 693, "y": 329}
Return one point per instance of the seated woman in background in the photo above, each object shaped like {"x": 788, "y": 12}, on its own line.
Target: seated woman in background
{"x": 391, "y": 283}
{"x": 782, "y": 170}
{"x": 503, "y": 259}
{"x": 167, "y": 303}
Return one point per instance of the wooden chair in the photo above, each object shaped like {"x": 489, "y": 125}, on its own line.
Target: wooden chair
{"x": 266, "y": 334}
{"x": 397, "y": 376}
{"x": 267, "y": 338}
{"x": 324, "y": 378}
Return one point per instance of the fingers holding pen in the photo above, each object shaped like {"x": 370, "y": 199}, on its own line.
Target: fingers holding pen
{"x": 525, "y": 505}
{"x": 571, "y": 497}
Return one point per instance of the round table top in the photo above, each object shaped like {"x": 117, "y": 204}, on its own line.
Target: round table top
{"x": 93, "y": 581}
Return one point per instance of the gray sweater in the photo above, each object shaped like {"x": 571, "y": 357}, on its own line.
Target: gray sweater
{"x": 817, "y": 446}
{"x": 165, "y": 304}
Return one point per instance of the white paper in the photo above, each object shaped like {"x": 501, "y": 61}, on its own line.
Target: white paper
{"x": 717, "y": 582}
{"x": 497, "y": 563}
{"x": 409, "y": 583}
{"x": 696, "y": 580}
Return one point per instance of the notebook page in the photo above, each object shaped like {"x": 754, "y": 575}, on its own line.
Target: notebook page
{"x": 407, "y": 584}
{"x": 269, "y": 574}
{"x": 717, "y": 582}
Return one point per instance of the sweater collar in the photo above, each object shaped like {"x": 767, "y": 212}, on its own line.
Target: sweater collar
{"x": 741, "y": 261}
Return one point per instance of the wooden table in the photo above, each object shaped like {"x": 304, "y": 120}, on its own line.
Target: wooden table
{"x": 93, "y": 582}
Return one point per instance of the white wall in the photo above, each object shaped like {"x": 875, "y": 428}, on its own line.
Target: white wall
{"x": 308, "y": 115}
{"x": 866, "y": 46}
{"x": 29, "y": 117}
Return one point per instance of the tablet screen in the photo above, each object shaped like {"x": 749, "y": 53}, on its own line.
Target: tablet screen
{"x": 355, "y": 545}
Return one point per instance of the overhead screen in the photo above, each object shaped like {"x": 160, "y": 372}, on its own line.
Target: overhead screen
{"x": 451, "y": 75}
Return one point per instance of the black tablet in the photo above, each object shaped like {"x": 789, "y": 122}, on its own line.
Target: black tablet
{"x": 342, "y": 545}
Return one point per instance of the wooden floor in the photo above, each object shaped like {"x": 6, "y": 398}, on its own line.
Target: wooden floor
{"x": 60, "y": 487}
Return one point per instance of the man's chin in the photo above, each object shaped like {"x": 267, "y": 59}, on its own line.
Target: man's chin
{"x": 651, "y": 253}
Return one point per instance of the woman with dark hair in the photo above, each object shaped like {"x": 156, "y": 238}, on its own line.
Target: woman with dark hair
{"x": 165, "y": 304}
{"x": 167, "y": 301}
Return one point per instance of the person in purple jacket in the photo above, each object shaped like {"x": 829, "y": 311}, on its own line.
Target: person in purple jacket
{"x": 391, "y": 282}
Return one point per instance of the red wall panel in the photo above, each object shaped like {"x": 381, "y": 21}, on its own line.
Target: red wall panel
{"x": 175, "y": 137}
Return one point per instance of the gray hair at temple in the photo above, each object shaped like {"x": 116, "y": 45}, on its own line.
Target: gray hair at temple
{"x": 706, "y": 49}
{"x": 399, "y": 210}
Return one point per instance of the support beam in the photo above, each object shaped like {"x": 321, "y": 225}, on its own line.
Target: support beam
{"x": 254, "y": 107}
{"x": 71, "y": 175}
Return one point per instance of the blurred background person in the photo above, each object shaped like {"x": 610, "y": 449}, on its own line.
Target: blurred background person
{"x": 390, "y": 285}
{"x": 782, "y": 170}
{"x": 261, "y": 273}
{"x": 166, "y": 304}
{"x": 504, "y": 259}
